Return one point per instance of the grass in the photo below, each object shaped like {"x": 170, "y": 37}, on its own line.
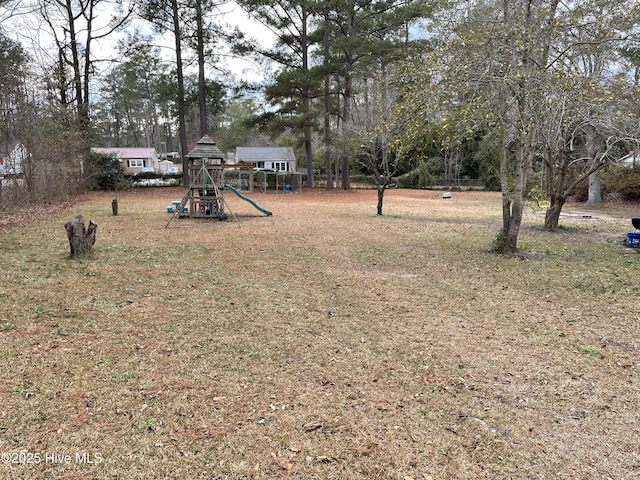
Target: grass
{"x": 323, "y": 342}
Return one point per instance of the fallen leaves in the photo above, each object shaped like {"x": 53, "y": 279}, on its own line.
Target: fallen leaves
{"x": 283, "y": 463}
{"x": 261, "y": 345}
{"x": 310, "y": 427}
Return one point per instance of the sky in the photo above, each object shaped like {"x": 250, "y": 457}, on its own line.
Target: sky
{"x": 22, "y": 23}
{"x": 237, "y": 17}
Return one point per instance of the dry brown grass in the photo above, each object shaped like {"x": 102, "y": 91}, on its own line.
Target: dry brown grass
{"x": 321, "y": 343}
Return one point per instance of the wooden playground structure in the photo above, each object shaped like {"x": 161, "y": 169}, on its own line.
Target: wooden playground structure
{"x": 205, "y": 196}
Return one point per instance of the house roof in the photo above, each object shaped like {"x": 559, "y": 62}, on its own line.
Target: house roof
{"x": 261, "y": 154}
{"x": 127, "y": 153}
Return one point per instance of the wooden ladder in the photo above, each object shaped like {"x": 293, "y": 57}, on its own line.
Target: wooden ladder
{"x": 178, "y": 211}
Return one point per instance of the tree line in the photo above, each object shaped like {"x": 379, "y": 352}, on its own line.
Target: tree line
{"x": 518, "y": 92}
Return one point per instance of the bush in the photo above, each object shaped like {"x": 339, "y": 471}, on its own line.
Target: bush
{"x": 622, "y": 181}
{"x": 628, "y": 185}
{"x": 419, "y": 177}
{"x": 491, "y": 179}
{"x": 172, "y": 176}
{"x": 105, "y": 172}
{"x": 146, "y": 175}
{"x": 367, "y": 180}
{"x": 499, "y": 245}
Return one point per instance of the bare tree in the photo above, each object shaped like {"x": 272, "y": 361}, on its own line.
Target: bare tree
{"x": 165, "y": 15}
{"x": 582, "y": 128}
{"x": 76, "y": 26}
{"x": 373, "y": 132}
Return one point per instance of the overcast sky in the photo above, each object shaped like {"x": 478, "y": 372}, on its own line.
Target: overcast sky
{"x": 23, "y": 24}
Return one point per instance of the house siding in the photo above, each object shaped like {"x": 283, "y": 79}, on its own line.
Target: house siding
{"x": 133, "y": 159}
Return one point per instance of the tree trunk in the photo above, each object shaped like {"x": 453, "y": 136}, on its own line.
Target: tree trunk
{"x": 511, "y": 240}
{"x": 168, "y": 136}
{"x": 87, "y": 69}
{"x": 202, "y": 99}
{"x": 327, "y": 102}
{"x": 595, "y": 190}
{"x": 308, "y": 153}
{"x": 182, "y": 125}
{"x": 522, "y": 162}
{"x": 346, "y": 127}
{"x": 75, "y": 64}
{"x": 380, "y": 199}
{"x": 61, "y": 78}
{"x": 306, "y": 98}
{"x": 552, "y": 216}
{"x": 504, "y": 187}
{"x": 81, "y": 239}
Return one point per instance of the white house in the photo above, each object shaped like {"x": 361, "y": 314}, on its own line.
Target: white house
{"x": 134, "y": 160}
{"x": 280, "y": 159}
{"x": 632, "y": 159}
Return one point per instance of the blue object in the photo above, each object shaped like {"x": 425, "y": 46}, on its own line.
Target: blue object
{"x": 288, "y": 189}
{"x": 633, "y": 240}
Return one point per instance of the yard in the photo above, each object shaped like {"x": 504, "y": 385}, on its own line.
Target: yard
{"x": 323, "y": 342}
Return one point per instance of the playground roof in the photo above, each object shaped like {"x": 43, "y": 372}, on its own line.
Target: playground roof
{"x": 205, "y": 148}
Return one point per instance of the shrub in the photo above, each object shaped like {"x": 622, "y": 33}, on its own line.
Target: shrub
{"x": 146, "y": 175}
{"x": 623, "y": 181}
{"x": 419, "y": 177}
{"x": 491, "y": 179}
{"x": 499, "y": 245}
{"x": 360, "y": 179}
{"x": 628, "y": 186}
{"x": 105, "y": 172}
{"x": 172, "y": 176}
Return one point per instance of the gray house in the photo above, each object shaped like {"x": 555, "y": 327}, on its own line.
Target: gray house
{"x": 279, "y": 159}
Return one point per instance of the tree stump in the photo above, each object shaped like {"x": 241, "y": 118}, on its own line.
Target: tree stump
{"x": 81, "y": 239}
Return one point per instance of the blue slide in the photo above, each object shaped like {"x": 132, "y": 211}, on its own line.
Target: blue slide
{"x": 247, "y": 199}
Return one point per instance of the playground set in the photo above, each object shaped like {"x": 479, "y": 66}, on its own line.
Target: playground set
{"x": 205, "y": 196}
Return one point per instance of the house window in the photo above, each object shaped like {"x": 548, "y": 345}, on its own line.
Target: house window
{"x": 136, "y": 163}
{"x": 280, "y": 166}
